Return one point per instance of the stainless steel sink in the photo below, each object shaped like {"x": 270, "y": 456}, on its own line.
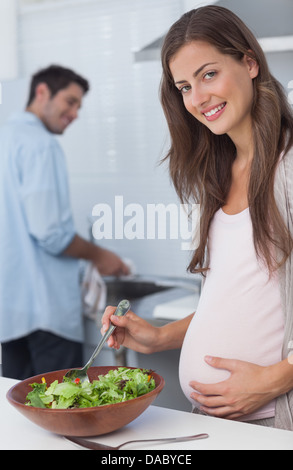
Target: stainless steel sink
{"x": 118, "y": 289}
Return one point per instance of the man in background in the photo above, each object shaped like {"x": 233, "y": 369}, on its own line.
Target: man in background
{"x": 40, "y": 299}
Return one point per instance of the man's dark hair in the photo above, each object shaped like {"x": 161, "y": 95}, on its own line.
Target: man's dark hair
{"x": 56, "y": 78}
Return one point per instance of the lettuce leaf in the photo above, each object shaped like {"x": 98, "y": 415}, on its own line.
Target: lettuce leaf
{"x": 116, "y": 386}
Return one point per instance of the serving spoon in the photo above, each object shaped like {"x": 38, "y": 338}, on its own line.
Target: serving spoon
{"x": 96, "y": 446}
{"x": 81, "y": 374}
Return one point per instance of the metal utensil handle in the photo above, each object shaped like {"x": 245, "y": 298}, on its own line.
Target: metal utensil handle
{"x": 97, "y": 446}
{"x": 122, "y": 308}
{"x": 167, "y": 439}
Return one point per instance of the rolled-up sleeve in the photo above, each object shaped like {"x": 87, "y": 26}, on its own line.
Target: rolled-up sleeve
{"x": 45, "y": 198}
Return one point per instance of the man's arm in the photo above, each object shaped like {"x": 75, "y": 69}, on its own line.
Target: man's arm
{"x": 107, "y": 262}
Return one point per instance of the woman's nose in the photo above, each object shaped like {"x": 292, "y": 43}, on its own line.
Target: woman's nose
{"x": 199, "y": 96}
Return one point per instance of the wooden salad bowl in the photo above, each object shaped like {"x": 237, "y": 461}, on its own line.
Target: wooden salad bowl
{"x": 83, "y": 421}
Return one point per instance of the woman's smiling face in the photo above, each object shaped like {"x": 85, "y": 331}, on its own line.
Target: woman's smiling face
{"x": 216, "y": 88}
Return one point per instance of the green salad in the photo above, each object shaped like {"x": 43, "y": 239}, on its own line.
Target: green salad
{"x": 116, "y": 386}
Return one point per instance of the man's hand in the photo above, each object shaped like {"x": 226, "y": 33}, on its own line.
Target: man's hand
{"x": 109, "y": 264}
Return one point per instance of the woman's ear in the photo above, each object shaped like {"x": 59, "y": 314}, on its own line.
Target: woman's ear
{"x": 252, "y": 65}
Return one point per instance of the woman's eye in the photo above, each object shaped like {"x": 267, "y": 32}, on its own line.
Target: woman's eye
{"x": 209, "y": 75}
{"x": 185, "y": 89}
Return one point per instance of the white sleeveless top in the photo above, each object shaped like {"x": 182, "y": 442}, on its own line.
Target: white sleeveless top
{"x": 239, "y": 315}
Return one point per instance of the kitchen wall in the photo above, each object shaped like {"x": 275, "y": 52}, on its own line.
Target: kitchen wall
{"x": 8, "y": 40}
{"x": 272, "y": 23}
{"x": 115, "y": 146}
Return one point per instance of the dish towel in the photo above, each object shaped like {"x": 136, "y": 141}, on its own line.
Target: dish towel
{"x": 94, "y": 292}
{"x": 94, "y": 289}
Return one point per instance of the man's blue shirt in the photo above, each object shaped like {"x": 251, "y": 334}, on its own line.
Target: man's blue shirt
{"x": 39, "y": 287}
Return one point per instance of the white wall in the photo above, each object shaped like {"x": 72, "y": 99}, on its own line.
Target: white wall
{"x": 8, "y": 40}
{"x": 115, "y": 146}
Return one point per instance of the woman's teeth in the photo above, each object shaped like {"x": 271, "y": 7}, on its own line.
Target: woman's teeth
{"x": 215, "y": 110}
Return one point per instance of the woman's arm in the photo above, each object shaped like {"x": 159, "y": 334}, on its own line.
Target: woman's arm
{"x": 136, "y": 333}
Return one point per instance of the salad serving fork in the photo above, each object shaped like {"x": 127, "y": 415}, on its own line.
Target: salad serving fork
{"x": 81, "y": 374}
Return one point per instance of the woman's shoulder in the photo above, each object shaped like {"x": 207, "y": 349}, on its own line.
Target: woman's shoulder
{"x": 283, "y": 188}
{"x": 284, "y": 175}
{"x": 289, "y": 153}
{"x": 287, "y": 159}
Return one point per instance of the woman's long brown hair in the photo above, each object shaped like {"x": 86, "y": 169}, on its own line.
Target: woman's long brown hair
{"x": 200, "y": 162}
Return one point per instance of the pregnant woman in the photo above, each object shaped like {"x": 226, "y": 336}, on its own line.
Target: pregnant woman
{"x": 231, "y": 151}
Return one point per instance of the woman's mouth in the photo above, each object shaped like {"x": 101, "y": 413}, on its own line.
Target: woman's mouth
{"x": 214, "y": 113}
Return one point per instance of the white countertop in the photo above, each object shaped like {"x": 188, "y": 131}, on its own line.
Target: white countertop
{"x": 178, "y": 308}
{"x": 18, "y": 433}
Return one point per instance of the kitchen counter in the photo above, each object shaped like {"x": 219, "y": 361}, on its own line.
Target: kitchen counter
{"x": 19, "y": 433}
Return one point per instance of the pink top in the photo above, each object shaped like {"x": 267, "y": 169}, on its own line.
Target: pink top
{"x": 239, "y": 315}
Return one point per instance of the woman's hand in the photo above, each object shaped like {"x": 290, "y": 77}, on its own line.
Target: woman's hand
{"x": 137, "y": 334}
{"x": 132, "y": 332}
{"x": 248, "y": 388}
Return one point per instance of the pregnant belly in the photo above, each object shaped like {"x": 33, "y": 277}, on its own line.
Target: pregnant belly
{"x": 198, "y": 343}
{"x": 236, "y": 339}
